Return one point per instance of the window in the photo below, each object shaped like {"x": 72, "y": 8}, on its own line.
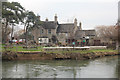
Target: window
{"x": 49, "y": 31}
{"x": 45, "y": 40}
{"x": 66, "y": 40}
{"x": 49, "y": 40}
{"x": 42, "y": 31}
{"x": 40, "y": 40}
{"x": 66, "y": 34}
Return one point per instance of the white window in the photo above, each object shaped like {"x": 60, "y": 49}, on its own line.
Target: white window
{"x": 43, "y": 40}
{"x": 66, "y": 34}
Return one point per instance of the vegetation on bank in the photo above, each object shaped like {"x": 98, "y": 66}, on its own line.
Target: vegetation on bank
{"x": 57, "y": 55}
{"x": 17, "y": 52}
{"x": 19, "y": 48}
{"x": 84, "y": 51}
{"x": 16, "y": 48}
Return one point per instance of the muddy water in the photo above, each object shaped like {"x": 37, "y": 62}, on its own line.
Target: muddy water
{"x": 106, "y": 67}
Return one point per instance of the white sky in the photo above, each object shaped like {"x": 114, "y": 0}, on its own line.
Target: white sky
{"x": 90, "y": 12}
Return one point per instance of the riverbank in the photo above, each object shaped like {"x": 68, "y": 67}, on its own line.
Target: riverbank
{"x": 57, "y": 55}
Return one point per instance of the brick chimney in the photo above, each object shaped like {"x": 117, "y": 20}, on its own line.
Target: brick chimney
{"x": 55, "y": 18}
{"x": 46, "y": 19}
{"x": 80, "y": 26}
{"x": 75, "y": 22}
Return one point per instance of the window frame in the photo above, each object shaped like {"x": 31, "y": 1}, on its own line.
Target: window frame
{"x": 42, "y": 31}
{"x": 49, "y": 31}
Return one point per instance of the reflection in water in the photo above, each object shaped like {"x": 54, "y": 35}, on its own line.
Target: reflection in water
{"x": 118, "y": 68}
{"x": 99, "y": 68}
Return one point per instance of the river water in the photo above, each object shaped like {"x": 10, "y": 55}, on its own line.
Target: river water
{"x": 106, "y": 67}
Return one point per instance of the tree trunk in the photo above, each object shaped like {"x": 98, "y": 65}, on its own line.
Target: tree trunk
{"x": 25, "y": 27}
{"x": 26, "y": 35}
{"x": 12, "y": 33}
{"x": 26, "y": 39}
{"x": 5, "y": 36}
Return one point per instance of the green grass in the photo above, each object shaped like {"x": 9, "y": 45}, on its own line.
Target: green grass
{"x": 83, "y": 51}
{"x": 104, "y": 50}
{"x": 20, "y": 48}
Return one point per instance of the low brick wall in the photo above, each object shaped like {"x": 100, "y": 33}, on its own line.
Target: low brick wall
{"x": 97, "y": 47}
{"x": 65, "y": 48}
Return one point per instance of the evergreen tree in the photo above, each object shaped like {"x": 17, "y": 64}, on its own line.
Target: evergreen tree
{"x": 13, "y": 13}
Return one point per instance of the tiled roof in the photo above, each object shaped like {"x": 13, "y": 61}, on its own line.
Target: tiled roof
{"x": 65, "y": 28}
{"x": 82, "y": 33}
{"x": 90, "y": 32}
{"x": 50, "y": 24}
{"x": 79, "y": 34}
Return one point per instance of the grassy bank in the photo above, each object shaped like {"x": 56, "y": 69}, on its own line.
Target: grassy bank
{"x": 55, "y": 55}
{"x": 20, "y": 53}
{"x": 84, "y": 51}
{"x": 16, "y": 48}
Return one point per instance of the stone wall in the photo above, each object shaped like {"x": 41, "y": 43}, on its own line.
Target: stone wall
{"x": 62, "y": 37}
{"x": 37, "y": 32}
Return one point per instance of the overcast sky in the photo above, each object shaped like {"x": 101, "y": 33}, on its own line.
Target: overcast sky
{"x": 90, "y": 12}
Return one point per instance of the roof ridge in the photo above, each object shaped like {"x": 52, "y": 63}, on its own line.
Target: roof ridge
{"x": 66, "y": 23}
{"x": 49, "y": 21}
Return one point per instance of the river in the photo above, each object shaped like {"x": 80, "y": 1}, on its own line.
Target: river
{"x": 106, "y": 67}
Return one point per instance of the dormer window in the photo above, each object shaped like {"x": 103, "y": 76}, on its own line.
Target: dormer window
{"x": 49, "y": 31}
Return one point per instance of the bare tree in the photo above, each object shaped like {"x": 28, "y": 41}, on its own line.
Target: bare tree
{"x": 109, "y": 32}
{"x": 17, "y": 33}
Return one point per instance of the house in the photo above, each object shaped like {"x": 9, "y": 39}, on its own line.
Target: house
{"x": 45, "y": 32}
{"x": 87, "y": 35}
{"x": 53, "y": 32}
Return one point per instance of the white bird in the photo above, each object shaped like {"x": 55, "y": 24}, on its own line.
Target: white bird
{"x": 54, "y": 69}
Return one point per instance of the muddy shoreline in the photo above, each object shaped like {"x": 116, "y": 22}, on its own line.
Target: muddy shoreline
{"x": 8, "y": 55}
